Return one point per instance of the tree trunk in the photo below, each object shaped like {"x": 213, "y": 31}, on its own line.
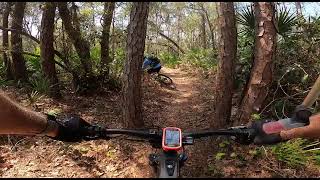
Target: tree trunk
{"x": 107, "y": 20}
{"x": 81, "y": 45}
{"x": 300, "y": 16}
{"x": 18, "y": 62}
{"x": 210, "y": 27}
{"x": 298, "y": 9}
{"x": 47, "y": 49}
{"x": 132, "y": 95}
{"x": 203, "y": 31}
{"x": 5, "y": 40}
{"x": 113, "y": 40}
{"x": 261, "y": 73}
{"x": 227, "y": 55}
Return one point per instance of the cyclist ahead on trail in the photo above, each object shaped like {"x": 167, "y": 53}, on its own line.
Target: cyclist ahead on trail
{"x": 152, "y": 64}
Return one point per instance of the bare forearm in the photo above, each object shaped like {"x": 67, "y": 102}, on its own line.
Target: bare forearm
{"x": 15, "y": 119}
{"x": 310, "y": 131}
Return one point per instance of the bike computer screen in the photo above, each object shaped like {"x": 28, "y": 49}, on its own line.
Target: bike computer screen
{"x": 171, "y": 138}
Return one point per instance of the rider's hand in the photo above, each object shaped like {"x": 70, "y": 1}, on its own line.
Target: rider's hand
{"x": 73, "y": 129}
{"x": 310, "y": 131}
{"x": 301, "y": 114}
{"x": 261, "y": 137}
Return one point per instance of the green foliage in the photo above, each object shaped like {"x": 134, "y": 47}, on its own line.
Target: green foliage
{"x": 244, "y": 63}
{"x": 224, "y": 144}
{"x": 116, "y": 66}
{"x": 33, "y": 63}
{"x": 286, "y": 21}
{"x": 215, "y": 171}
{"x": 95, "y": 55}
{"x": 295, "y": 70}
{"x": 256, "y": 152}
{"x": 2, "y": 69}
{"x": 220, "y": 155}
{"x": 39, "y": 83}
{"x": 294, "y": 152}
{"x": 169, "y": 59}
{"x": 291, "y": 153}
{"x": 201, "y": 58}
{"x": 54, "y": 111}
{"x": 256, "y": 117}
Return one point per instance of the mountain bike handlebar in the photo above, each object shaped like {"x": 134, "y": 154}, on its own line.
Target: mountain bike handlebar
{"x": 156, "y": 134}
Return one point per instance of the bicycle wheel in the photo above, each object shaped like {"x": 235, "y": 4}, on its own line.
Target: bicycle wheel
{"x": 164, "y": 79}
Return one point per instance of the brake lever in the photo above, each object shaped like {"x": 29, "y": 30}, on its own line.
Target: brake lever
{"x": 95, "y": 132}
{"x": 244, "y": 135}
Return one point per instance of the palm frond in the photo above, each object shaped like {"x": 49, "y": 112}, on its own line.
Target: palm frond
{"x": 284, "y": 19}
{"x": 246, "y": 19}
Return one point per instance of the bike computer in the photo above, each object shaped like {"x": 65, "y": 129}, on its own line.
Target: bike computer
{"x": 171, "y": 139}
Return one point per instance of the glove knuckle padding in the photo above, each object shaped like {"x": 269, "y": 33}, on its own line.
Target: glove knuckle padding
{"x": 72, "y": 130}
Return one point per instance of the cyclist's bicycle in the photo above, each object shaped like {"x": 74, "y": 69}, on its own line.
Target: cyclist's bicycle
{"x": 171, "y": 140}
{"x": 161, "y": 78}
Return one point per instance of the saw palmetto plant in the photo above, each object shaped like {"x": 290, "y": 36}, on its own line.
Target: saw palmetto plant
{"x": 285, "y": 21}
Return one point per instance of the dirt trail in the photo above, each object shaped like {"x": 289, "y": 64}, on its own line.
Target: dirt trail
{"x": 188, "y": 106}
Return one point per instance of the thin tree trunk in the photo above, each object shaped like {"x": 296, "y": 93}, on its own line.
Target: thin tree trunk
{"x": 210, "y": 27}
{"x": 261, "y": 73}
{"x": 105, "y": 56}
{"x": 300, "y": 16}
{"x": 179, "y": 29}
{"x": 203, "y": 31}
{"x": 227, "y": 55}
{"x": 47, "y": 49}
{"x": 132, "y": 95}
{"x": 81, "y": 45}
{"x": 74, "y": 14}
{"x": 18, "y": 62}
{"x": 113, "y": 40}
{"x": 298, "y": 9}
{"x": 5, "y": 40}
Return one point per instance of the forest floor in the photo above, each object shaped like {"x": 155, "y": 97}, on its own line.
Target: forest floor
{"x": 189, "y": 106}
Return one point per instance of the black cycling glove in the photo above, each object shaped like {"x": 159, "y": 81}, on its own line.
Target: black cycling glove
{"x": 73, "y": 129}
{"x": 261, "y": 137}
{"x": 301, "y": 114}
